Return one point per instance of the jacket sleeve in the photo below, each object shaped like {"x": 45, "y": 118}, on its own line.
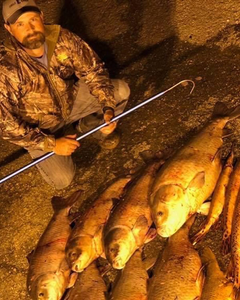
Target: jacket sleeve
{"x": 13, "y": 128}
{"x": 90, "y": 68}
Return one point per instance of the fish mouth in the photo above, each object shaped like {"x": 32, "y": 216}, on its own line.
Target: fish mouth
{"x": 165, "y": 232}
{"x": 118, "y": 264}
{"x": 77, "y": 268}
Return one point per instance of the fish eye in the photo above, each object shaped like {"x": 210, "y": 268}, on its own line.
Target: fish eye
{"x": 41, "y": 295}
{"x": 73, "y": 255}
{"x": 160, "y": 213}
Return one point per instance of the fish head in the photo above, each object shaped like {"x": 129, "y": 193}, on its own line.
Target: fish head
{"x": 80, "y": 252}
{"x": 119, "y": 246}
{"x": 48, "y": 287}
{"x": 169, "y": 209}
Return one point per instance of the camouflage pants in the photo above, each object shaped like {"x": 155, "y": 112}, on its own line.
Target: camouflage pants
{"x": 58, "y": 170}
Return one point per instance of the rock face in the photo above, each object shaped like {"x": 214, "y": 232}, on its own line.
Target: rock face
{"x": 152, "y": 46}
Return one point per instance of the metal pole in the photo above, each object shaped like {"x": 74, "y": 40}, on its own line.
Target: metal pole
{"x": 38, "y": 160}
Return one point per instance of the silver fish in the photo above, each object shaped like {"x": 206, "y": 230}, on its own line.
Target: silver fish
{"x": 85, "y": 242}
{"x": 189, "y": 178}
{"x": 131, "y": 284}
{"x": 49, "y": 274}
{"x": 177, "y": 273}
{"x": 128, "y": 226}
{"x": 88, "y": 286}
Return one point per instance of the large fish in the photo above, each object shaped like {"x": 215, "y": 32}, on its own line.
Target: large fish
{"x": 49, "y": 274}
{"x": 189, "y": 178}
{"x": 177, "y": 273}
{"x": 85, "y": 242}
{"x": 132, "y": 281}
{"x": 128, "y": 226}
{"x": 218, "y": 200}
{"x": 234, "y": 268}
{"x": 89, "y": 285}
{"x": 216, "y": 285}
{"x": 231, "y": 198}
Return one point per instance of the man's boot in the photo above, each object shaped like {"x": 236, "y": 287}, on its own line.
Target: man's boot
{"x": 92, "y": 121}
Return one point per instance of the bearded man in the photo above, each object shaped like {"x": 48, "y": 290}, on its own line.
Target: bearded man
{"x": 50, "y": 78}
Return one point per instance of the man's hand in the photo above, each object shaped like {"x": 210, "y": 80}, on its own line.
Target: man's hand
{"x": 108, "y": 115}
{"x": 66, "y": 145}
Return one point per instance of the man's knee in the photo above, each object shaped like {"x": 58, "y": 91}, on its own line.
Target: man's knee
{"x": 57, "y": 171}
{"x": 121, "y": 90}
{"x": 58, "y": 179}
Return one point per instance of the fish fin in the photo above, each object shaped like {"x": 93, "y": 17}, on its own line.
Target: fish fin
{"x": 29, "y": 256}
{"x": 139, "y": 229}
{"x": 226, "y": 133}
{"x": 74, "y": 217}
{"x": 103, "y": 270}
{"x": 198, "y": 181}
{"x": 149, "y": 262}
{"x": 204, "y": 208}
{"x": 152, "y": 233}
{"x": 222, "y": 111}
{"x": 98, "y": 236}
{"x": 59, "y": 203}
{"x": 115, "y": 201}
{"x": 200, "y": 278}
{"x": 72, "y": 280}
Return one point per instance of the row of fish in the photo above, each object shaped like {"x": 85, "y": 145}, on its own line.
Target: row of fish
{"x": 168, "y": 195}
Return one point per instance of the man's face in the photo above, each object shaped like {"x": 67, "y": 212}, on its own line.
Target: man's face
{"x": 28, "y": 30}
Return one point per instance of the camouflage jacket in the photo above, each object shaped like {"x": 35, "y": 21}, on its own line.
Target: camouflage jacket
{"x": 34, "y": 98}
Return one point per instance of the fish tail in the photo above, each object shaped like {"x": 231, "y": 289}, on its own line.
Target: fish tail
{"x": 223, "y": 112}
{"x": 59, "y": 203}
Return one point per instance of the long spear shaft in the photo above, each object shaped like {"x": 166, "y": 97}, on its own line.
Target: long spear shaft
{"x": 38, "y": 160}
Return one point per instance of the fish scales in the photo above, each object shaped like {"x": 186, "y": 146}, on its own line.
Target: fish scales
{"x": 178, "y": 271}
{"x": 49, "y": 274}
{"x": 135, "y": 201}
{"x": 132, "y": 282}
{"x": 99, "y": 211}
{"x": 216, "y": 286}
{"x": 190, "y": 177}
{"x": 85, "y": 242}
{"x": 218, "y": 200}
{"x": 235, "y": 244}
{"x": 231, "y": 198}
{"x": 128, "y": 225}
{"x": 88, "y": 286}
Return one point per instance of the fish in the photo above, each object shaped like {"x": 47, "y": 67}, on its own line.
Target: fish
{"x": 49, "y": 274}
{"x": 218, "y": 200}
{"x": 128, "y": 227}
{"x": 178, "y": 272}
{"x": 89, "y": 285}
{"x": 131, "y": 284}
{"x": 190, "y": 176}
{"x": 216, "y": 285}
{"x": 84, "y": 244}
{"x": 231, "y": 198}
{"x": 234, "y": 267}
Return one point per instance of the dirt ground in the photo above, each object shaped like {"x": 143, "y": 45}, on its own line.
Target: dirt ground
{"x": 152, "y": 46}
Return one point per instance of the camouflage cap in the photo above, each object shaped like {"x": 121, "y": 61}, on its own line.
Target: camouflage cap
{"x": 12, "y": 9}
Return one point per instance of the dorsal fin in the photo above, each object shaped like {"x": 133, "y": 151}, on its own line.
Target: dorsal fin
{"x": 221, "y": 111}
{"x": 59, "y": 203}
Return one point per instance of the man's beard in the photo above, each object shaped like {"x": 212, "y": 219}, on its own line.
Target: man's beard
{"x": 36, "y": 42}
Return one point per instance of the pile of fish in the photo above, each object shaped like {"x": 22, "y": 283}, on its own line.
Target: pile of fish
{"x": 163, "y": 200}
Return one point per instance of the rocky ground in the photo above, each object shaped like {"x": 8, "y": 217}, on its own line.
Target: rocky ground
{"x": 152, "y": 46}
